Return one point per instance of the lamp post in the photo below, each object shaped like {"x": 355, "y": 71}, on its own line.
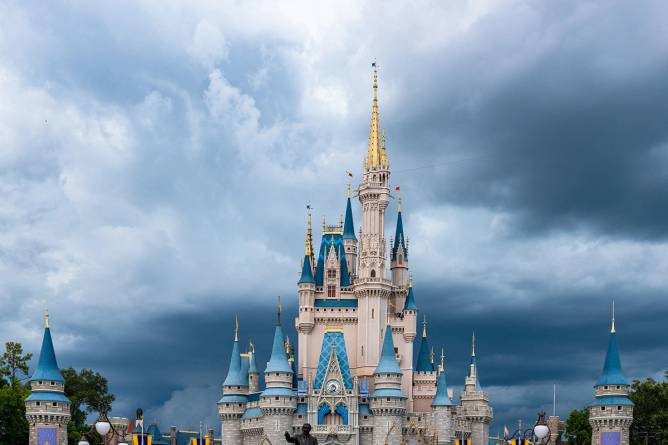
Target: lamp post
{"x": 103, "y": 427}
{"x": 540, "y": 431}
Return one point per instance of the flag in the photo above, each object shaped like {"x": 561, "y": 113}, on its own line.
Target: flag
{"x": 139, "y": 439}
{"x": 349, "y": 173}
{"x": 506, "y": 433}
{"x": 201, "y": 441}
{"x": 397, "y": 188}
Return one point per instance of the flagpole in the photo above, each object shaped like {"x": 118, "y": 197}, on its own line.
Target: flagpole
{"x": 554, "y": 401}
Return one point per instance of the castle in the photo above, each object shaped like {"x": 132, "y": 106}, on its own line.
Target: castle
{"x": 353, "y": 377}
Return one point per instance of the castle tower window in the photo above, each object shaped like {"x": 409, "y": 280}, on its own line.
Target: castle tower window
{"x": 373, "y": 273}
{"x": 331, "y": 273}
{"x": 331, "y": 291}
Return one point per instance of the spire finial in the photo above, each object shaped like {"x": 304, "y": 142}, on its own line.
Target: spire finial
{"x": 309, "y": 231}
{"x": 374, "y": 152}
{"x": 350, "y": 194}
{"x": 251, "y": 347}
{"x": 280, "y": 309}
{"x": 236, "y": 328}
{"x": 287, "y": 345}
{"x": 399, "y": 204}
{"x": 612, "y": 330}
{"x": 473, "y": 345}
{"x": 442, "y": 359}
{"x": 410, "y": 279}
{"x": 431, "y": 355}
{"x": 46, "y": 317}
{"x": 424, "y": 327}
{"x": 324, "y": 225}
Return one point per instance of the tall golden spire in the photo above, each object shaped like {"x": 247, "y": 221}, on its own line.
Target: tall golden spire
{"x": 442, "y": 359}
{"x": 374, "y": 155}
{"x": 431, "y": 355}
{"x": 612, "y": 330}
{"x": 424, "y": 327}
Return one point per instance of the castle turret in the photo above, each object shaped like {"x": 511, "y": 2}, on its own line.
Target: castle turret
{"x": 399, "y": 254}
{"x": 388, "y": 403}
{"x": 443, "y": 410}
{"x": 306, "y": 286}
{"x": 475, "y": 403}
{"x": 47, "y": 408}
{"x": 278, "y": 401}
{"x": 424, "y": 376}
{"x": 349, "y": 239}
{"x": 410, "y": 314}
{"x": 611, "y": 412}
{"x": 235, "y": 389}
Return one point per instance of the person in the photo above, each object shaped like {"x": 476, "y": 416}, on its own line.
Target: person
{"x": 304, "y": 438}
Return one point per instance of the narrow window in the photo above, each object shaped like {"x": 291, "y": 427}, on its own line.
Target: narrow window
{"x": 331, "y": 291}
{"x": 373, "y": 273}
{"x": 372, "y": 311}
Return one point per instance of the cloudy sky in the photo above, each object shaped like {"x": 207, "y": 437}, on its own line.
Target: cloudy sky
{"x": 156, "y": 158}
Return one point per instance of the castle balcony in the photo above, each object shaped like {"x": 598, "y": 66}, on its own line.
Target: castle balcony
{"x": 333, "y": 429}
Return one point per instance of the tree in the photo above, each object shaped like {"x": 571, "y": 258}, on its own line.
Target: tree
{"x": 13, "y": 363}
{"x": 13, "y": 423}
{"x": 650, "y": 413}
{"x": 578, "y": 429}
{"x": 88, "y": 392}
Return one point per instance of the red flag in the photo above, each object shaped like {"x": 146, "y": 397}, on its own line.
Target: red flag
{"x": 349, "y": 173}
{"x": 397, "y": 188}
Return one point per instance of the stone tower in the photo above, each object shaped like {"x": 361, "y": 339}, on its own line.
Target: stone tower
{"x": 424, "y": 375}
{"x": 278, "y": 401}
{"x": 443, "y": 410}
{"x": 388, "y": 403}
{"x": 235, "y": 390}
{"x": 611, "y": 412}
{"x": 47, "y": 408}
{"x": 475, "y": 403}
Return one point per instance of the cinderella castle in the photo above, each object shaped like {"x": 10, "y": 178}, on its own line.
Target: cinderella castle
{"x": 354, "y": 378}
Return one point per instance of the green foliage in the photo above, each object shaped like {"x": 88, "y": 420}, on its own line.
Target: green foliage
{"x": 89, "y": 393}
{"x": 650, "y": 414}
{"x": 578, "y": 430}
{"x": 13, "y": 363}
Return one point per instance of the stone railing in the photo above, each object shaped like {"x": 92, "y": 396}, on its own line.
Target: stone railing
{"x": 333, "y": 429}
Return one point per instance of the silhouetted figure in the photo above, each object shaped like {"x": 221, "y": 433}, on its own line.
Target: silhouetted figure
{"x": 304, "y": 438}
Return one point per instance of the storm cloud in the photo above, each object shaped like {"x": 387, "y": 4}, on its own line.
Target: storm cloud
{"x": 156, "y": 159}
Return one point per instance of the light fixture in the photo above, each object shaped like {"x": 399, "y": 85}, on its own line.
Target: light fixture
{"x": 102, "y": 427}
{"x": 83, "y": 441}
{"x": 540, "y": 429}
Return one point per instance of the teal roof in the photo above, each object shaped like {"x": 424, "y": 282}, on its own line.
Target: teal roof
{"x": 399, "y": 239}
{"x": 388, "y": 360}
{"x": 154, "y": 431}
{"x": 234, "y": 377}
{"x": 325, "y": 246}
{"x": 424, "y": 363}
{"x": 441, "y": 398}
{"x": 251, "y": 413}
{"x": 345, "y": 303}
{"x": 47, "y": 396}
{"x": 252, "y": 367}
{"x": 348, "y": 226}
{"x": 388, "y": 392}
{"x": 233, "y": 398}
{"x": 364, "y": 409}
{"x": 307, "y": 272}
{"x": 47, "y": 367}
{"x": 612, "y": 369}
{"x": 333, "y": 340}
{"x": 270, "y": 392}
{"x": 611, "y": 400}
{"x": 279, "y": 359}
{"x": 410, "y": 305}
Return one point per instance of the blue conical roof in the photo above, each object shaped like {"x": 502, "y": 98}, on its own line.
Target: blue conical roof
{"x": 307, "y": 271}
{"x": 441, "y": 398}
{"x": 612, "y": 369}
{"x": 234, "y": 377}
{"x": 410, "y": 305}
{"x": 424, "y": 363}
{"x": 348, "y": 226}
{"x": 47, "y": 367}
{"x": 388, "y": 360}
{"x": 399, "y": 239}
{"x": 279, "y": 359}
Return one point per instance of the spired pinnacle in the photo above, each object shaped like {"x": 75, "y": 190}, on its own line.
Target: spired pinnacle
{"x": 473, "y": 345}
{"x": 280, "y": 309}
{"x": 375, "y": 154}
{"x": 612, "y": 329}
{"x": 424, "y": 327}
{"x": 442, "y": 359}
{"x": 236, "y": 328}
{"x": 46, "y": 318}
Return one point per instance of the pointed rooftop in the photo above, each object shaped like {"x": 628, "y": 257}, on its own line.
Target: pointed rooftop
{"x": 441, "y": 398}
{"x": 612, "y": 373}
{"x": 424, "y": 363}
{"x": 388, "y": 360}
{"x": 474, "y": 365}
{"x": 348, "y": 226}
{"x": 279, "y": 359}
{"x": 410, "y": 305}
{"x": 234, "y": 372}
{"x": 374, "y": 155}
{"x": 399, "y": 238}
{"x": 47, "y": 366}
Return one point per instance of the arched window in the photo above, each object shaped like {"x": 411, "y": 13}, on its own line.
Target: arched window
{"x": 373, "y": 273}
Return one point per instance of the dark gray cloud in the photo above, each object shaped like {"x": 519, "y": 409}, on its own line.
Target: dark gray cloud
{"x": 156, "y": 162}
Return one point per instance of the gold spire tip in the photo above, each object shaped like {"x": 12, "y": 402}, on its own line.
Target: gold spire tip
{"x": 410, "y": 279}
{"x": 442, "y": 359}
{"x": 612, "y": 330}
{"x": 424, "y": 327}
{"x": 431, "y": 355}
{"x": 350, "y": 195}
{"x": 46, "y": 317}
{"x": 280, "y": 309}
